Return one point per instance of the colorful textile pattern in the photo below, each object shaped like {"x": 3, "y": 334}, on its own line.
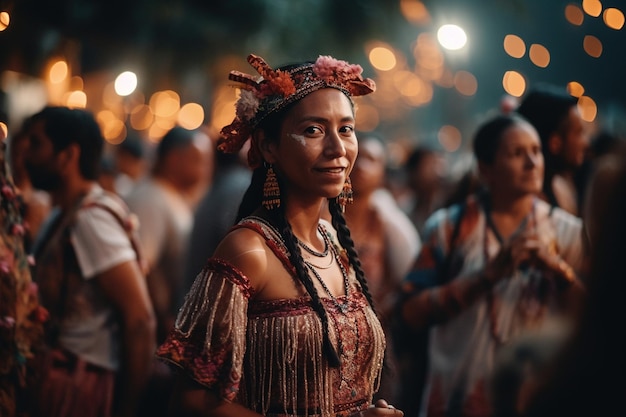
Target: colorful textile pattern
{"x": 267, "y": 355}
{"x": 21, "y": 316}
{"x": 462, "y": 349}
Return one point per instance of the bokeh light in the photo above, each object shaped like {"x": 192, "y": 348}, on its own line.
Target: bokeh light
{"x": 613, "y": 18}
{"x": 593, "y": 46}
{"x": 592, "y": 7}
{"x": 588, "y": 108}
{"x": 382, "y": 58}
{"x": 5, "y": 20}
{"x": 191, "y": 116}
{"x": 575, "y": 89}
{"x": 4, "y": 130}
{"x": 165, "y": 103}
{"x": 539, "y": 55}
{"x": 574, "y": 14}
{"x": 514, "y": 46}
{"x": 465, "y": 83}
{"x": 514, "y": 83}
{"x": 451, "y": 37}
{"x": 414, "y": 11}
{"x": 76, "y": 99}
{"x": 58, "y": 72}
{"x": 141, "y": 117}
{"x": 126, "y": 83}
{"x": 450, "y": 138}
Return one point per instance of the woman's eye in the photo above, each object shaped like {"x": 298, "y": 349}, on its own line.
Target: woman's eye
{"x": 312, "y": 130}
{"x": 347, "y": 129}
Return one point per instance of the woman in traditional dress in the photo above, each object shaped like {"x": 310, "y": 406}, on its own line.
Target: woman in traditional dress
{"x": 280, "y": 321}
{"x": 502, "y": 263}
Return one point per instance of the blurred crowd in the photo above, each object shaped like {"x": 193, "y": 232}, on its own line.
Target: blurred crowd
{"x": 497, "y": 287}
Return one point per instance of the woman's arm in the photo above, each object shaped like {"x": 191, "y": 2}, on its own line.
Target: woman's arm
{"x": 190, "y": 399}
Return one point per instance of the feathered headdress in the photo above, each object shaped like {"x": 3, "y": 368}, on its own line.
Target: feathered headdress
{"x": 274, "y": 89}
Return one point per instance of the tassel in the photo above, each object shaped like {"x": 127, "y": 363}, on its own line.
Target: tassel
{"x": 271, "y": 190}
{"x": 346, "y": 196}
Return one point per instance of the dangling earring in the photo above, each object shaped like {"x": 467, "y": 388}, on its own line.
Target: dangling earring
{"x": 345, "y": 197}
{"x": 271, "y": 190}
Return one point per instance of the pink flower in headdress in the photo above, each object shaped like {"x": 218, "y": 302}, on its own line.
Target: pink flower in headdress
{"x": 332, "y": 69}
{"x": 33, "y": 289}
{"x": 5, "y": 267}
{"x": 247, "y": 105}
{"x": 17, "y": 230}
{"x": 41, "y": 314}
{"x": 7, "y": 192}
{"x": 7, "y": 322}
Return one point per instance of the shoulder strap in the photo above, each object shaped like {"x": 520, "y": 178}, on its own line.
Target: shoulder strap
{"x": 443, "y": 276}
{"x": 128, "y": 220}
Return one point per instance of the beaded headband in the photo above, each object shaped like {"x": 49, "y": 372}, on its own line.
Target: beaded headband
{"x": 275, "y": 89}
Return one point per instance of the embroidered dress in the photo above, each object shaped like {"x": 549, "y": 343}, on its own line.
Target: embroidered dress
{"x": 462, "y": 350}
{"x": 267, "y": 355}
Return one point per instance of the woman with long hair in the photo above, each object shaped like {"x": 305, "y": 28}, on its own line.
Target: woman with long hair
{"x": 280, "y": 321}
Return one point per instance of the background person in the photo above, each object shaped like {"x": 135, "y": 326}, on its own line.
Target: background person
{"x": 89, "y": 270}
{"x": 492, "y": 268}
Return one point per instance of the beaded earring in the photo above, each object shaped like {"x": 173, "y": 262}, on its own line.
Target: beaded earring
{"x": 271, "y": 190}
{"x": 345, "y": 197}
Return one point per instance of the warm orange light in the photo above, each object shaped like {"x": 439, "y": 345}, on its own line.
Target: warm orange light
{"x": 449, "y": 137}
{"x": 58, "y": 72}
{"x": 414, "y": 11}
{"x": 514, "y": 83}
{"x": 5, "y": 20}
{"x": 191, "y": 116}
{"x": 465, "y": 83}
{"x": 588, "y": 109}
{"x": 141, "y": 117}
{"x": 592, "y": 7}
{"x": 575, "y": 89}
{"x": 613, "y": 18}
{"x": 382, "y": 58}
{"x": 539, "y": 55}
{"x": 514, "y": 46}
{"x": 593, "y": 46}
{"x": 165, "y": 103}
{"x": 76, "y": 99}
{"x": 4, "y": 130}
{"x": 574, "y": 15}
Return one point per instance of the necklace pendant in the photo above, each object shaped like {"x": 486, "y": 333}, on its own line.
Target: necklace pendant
{"x": 343, "y": 307}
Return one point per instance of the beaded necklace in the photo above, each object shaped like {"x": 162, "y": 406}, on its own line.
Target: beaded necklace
{"x": 343, "y": 307}
{"x": 313, "y": 251}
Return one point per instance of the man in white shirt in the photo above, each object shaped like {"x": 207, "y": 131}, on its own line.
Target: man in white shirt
{"x": 88, "y": 267}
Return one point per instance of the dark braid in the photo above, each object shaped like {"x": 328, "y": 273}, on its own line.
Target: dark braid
{"x": 277, "y": 216}
{"x": 345, "y": 239}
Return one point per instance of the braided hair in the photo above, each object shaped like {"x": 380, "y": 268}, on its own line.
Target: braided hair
{"x": 252, "y": 201}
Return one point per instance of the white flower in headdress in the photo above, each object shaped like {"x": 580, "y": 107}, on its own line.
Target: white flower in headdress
{"x": 247, "y": 105}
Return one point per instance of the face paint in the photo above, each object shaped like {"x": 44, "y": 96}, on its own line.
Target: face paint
{"x": 298, "y": 138}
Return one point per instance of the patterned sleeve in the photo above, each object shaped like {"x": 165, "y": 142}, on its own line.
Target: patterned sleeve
{"x": 208, "y": 340}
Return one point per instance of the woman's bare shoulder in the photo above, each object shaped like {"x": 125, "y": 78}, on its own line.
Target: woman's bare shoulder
{"x": 246, "y": 250}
